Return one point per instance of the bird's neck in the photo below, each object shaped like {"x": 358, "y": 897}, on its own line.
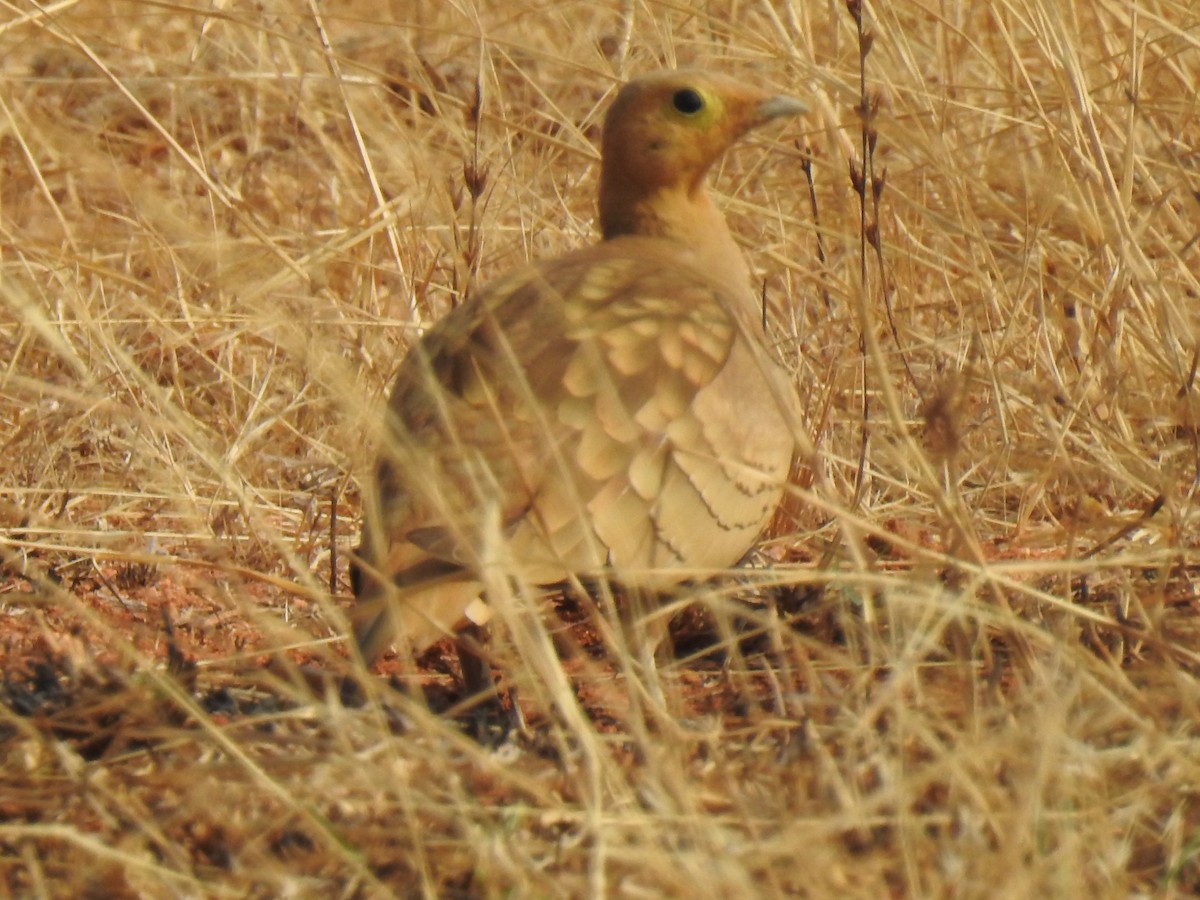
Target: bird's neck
{"x": 687, "y": 218}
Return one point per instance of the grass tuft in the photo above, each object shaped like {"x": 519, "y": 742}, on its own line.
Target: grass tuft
{"x": 966, "y": 660}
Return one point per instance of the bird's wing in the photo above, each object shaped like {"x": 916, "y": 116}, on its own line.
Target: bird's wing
{"x": 601, "y": 410}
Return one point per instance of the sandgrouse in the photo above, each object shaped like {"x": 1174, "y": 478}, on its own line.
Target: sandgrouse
{"x": 609, "y": 413}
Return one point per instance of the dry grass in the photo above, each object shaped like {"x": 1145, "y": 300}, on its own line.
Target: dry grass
{"x": 221, "y": 229}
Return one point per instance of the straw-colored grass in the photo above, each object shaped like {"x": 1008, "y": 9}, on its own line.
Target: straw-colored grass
{"x": 975, "y": 672}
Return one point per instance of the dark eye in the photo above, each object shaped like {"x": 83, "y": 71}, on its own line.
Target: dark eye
{"x": 687, "y": 101}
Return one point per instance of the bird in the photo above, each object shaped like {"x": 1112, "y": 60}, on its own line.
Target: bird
{"x": 612, "y": 412}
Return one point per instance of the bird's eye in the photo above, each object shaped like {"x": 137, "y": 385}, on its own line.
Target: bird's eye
{"x": 687, "y": 101}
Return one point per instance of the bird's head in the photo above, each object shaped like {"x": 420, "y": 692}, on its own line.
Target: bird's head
{"x": 663, "y": 133}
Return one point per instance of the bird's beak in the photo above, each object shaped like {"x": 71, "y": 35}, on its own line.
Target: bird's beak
{"x": 779, "y": 106}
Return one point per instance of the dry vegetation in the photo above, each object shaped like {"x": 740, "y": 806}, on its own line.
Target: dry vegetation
{"x": 971, "y": 670}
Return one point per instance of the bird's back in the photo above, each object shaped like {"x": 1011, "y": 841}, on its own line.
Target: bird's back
{"x": 608, "y": 410}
